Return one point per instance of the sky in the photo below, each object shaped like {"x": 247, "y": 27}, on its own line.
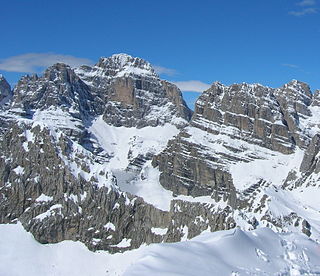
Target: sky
{"x": 192, "y": 43}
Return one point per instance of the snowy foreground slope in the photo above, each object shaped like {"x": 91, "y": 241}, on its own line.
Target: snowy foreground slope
{"x": 232, "y": 252}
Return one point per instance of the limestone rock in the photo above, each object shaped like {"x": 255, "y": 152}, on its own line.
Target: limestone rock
{"x": 133, "y": 94}
{"x": 59, "y": 87}
{"x": 310, "y": 159}
{"x": 233, "y": 124}
{"x": 5, "y": 91}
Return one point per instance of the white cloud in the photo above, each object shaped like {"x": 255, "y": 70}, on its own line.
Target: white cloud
{"x": 192, "y": 86}
{"x": 290, "y": 65}
{"x": 305, "y": 3}
{"x": 304, "y": 12}
{"x": 307, "y": 7}
{"x": 36, "y": 62}
{"x": 164, "y": 71}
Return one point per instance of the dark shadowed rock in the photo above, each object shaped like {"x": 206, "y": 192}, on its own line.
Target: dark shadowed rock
{"x": 5, "y": 91}
{"x": 310, "y": 159}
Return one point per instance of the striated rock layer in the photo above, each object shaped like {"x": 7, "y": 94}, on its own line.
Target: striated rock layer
{"x": 129, "y": 93}
{"x": 236, "y": 115}
{"x": 242, "y": 143}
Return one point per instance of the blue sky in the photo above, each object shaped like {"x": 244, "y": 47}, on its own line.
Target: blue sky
{"x": 193, "y": 43}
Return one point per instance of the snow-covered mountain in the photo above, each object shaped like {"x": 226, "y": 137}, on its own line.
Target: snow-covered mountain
{"x": 111, "y": 156}
{"x": 255, "y": 148}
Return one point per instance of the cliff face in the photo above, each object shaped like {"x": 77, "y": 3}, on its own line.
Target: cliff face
{"x": 109, "y": 155}
{"x": 226, "y": 124}
{"x": 131, "y": 94}
{"x": 243, "y": 141}
{"x": 5, "y": 91}
{"x": 60, "y": 191}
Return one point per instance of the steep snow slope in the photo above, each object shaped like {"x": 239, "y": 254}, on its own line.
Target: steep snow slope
{"x": 224, "y": 253}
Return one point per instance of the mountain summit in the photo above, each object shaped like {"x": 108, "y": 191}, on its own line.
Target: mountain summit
{"x": 131, "y": 93}
{"x": 119, "y": 65}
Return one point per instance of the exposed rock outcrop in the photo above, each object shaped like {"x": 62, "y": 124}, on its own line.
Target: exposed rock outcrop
{"x": 232, "y": 124}
{"x": 5, "y": 91}
{"x": 131, "y": 93}
{"x": 59, "y": 87}
{"x": 56, "y": 204}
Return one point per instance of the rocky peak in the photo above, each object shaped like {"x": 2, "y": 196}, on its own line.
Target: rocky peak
{"x": 119, "y": 65}
{"x": 258, "y": 111}
{"x": 59, "y": 87}
{"x": 130, "y": 93}
{"x": 231, "y": 98}
{"x": 5, "y": 90}
{"x": 295, "y": 92}
{"x": 298, "y": 87}
{"x": 294, "y": 99}
{"x": 61, "y": 72}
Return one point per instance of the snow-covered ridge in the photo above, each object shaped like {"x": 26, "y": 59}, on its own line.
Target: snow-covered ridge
{"x": 234, "y": 252}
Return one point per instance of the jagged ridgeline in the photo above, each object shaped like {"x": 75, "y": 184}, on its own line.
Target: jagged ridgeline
{"x": 110, "y": 155}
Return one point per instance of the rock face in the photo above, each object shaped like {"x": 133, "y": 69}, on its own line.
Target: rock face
{"x": 134, "y": 94}
{"x": 109, "y": 155}
{"x": 196, "y": 164}
{"x": 310, "y": 159}
{"x": 59, "y": 87}
{"x": 261, "y": 115}
{"x": 61, "y": 162}
{"x": 55, "y": 204}
{"x": 5, "y": 91}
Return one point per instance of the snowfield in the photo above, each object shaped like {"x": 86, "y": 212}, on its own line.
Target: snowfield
{"x": 233, "y": 253}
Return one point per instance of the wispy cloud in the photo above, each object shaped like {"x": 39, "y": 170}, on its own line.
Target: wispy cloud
{"x": 304, "y": 12}
{"x": 307, "y": 7}
{"x": 305, "y": 3}
{"x": 290, "y": 65}
{"x": 164, "y": 71}
{"x": 36, "y": 62}
{"x": 192, "y": 86}
{"x": 295, "y": 67}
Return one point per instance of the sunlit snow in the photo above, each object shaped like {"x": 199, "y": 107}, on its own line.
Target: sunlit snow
{"x": 223, "y": 253}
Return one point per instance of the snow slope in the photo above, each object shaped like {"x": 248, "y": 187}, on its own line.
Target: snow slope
{"x": 233, "y": 252}
{"x": 123, "y": 143}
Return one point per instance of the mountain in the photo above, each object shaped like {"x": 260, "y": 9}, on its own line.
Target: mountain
{"x": 253, "y": 147}
{"x": 111, "y": 156}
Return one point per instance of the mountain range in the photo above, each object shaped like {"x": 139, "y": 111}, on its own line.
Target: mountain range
{"x": 110, "y": 155}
